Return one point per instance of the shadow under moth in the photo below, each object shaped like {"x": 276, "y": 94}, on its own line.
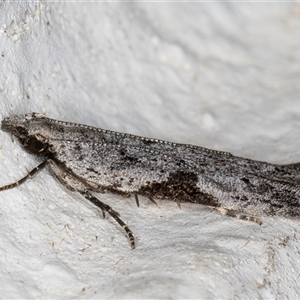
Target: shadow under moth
{"x": 92, "y": 160}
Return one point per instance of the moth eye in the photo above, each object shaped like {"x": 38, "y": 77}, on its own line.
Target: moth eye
{"x": 35, "y": 146}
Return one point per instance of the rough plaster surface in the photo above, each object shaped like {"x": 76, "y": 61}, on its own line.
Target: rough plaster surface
{"x": 220, "y": 75}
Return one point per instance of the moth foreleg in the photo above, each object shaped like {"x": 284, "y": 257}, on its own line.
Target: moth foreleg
{"x": 29, "y": 175}
{"x": 238, "y": 215}
{"x": 106, "y": 208}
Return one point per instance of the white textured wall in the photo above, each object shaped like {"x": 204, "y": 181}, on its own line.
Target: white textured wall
{"x": 219, "y": 75}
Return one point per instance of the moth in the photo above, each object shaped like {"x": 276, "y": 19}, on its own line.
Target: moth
{"x": 90, "y": 160}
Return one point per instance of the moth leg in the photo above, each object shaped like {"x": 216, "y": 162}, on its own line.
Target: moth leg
{"x": 179, "y": 205}
{"x": 103, "y": 213}
{"x": 152, "y": 200}
{"x": 106, "y": 208}
{"x": 238, "y": 215}
{"x": 29, "y": 175}
{"x": 137, "y": 200}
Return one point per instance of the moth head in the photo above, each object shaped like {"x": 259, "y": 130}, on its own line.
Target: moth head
{"x": 22, "y": 126}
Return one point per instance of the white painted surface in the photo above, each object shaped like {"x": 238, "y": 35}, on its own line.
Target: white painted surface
{"x": 219, "y": 75}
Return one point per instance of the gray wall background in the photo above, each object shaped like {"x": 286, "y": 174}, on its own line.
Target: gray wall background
{"x": 220, "y": 75}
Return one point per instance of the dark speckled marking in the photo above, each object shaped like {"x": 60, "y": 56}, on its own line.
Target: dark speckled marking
{"x": 180, "y": 187}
